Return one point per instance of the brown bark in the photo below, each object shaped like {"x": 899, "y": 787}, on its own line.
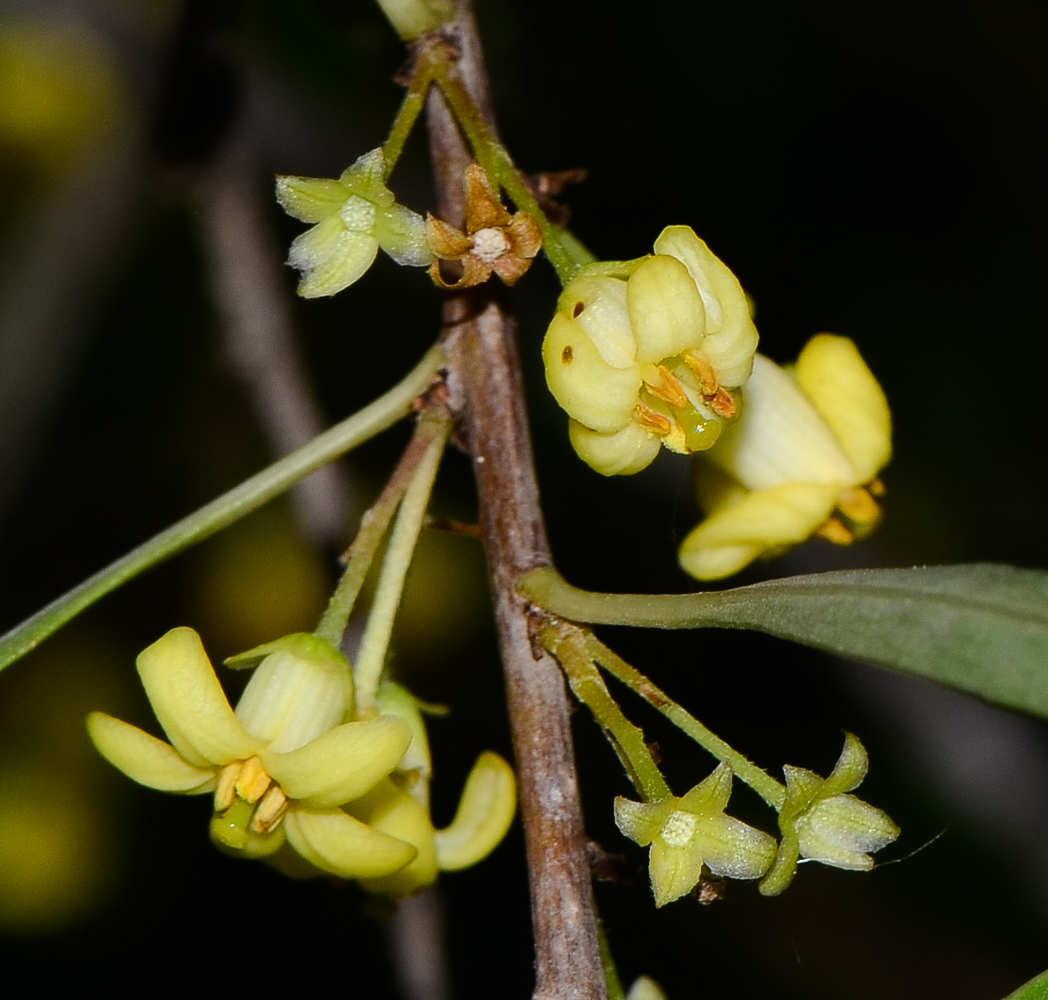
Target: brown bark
{"x": 486, "y": 393}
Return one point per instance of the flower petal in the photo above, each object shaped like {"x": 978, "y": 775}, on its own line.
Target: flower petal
{"x": 674, "y": 871}
{"x": 342, "y": 764}
{"x": 189, "y": 702}
{"x": 780, "y": 437}
{"x": 485, "y": 812}
{"x": 734, "y": 535}
{"x": 839, "y": 831}
{"x": 330, "y": 257}
{"x": 396, "y": 812}
{"x": 402, "y": 234}
{"x": 847, "y": 396}
{"x": 585, "y": 385}
{"x": 642, "y": 821}
{"x": 341, "y": 845}
{"x": 310, "y": 199}
{"x": 598, "y": 303}
{"x": 732, "y": 849}
{"x": 666, "y": 310}
{"x": 621, "y": 453}
{"x": 144, "y": 758}
{"x": 731, "y": 337}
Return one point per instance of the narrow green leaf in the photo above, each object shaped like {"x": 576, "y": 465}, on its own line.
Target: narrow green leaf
{"x": 1035, "y": 989}
{"x": 228, "y": 508}
{"x": 982, "y": 628}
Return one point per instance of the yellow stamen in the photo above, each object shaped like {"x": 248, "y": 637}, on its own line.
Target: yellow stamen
{"x": 652, "y": 421}
{"x": 253, "y": 780}
{"x": 857, "y": 505}
{"x": 270, "y": 810}
{"x": 834, "y": 531}
{"x": 668, "y": 388}
{"x": 225, "y": 791}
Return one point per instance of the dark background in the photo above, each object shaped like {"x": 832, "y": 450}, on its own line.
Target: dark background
{"x": 872, "y": 169}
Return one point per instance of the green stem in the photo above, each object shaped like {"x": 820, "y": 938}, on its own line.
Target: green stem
{"x": 745, "y": 770}
{"x": 373, "y": 525}
{"x": 569, "y": 645}
{"x": 410, "y": 108}
{"x": 436, "y": 426}
{"x": 565, "y": 252}
{"x": 228, "y": 508}
{"x": 704, "y": 609}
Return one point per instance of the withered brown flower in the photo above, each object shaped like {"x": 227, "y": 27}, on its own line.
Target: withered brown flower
{"x": 494, "y": 240}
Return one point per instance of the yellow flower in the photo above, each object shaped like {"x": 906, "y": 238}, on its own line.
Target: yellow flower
{"x": 820, "y": 822}
{"x": 287, "y": 768}
{"x": 354, "y": 216}
{"x": 802, "y": 459}
{"x": 643, "y": 353}
{"x": 692, "y": 831}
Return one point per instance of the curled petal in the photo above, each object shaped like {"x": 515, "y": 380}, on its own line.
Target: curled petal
{"x": 842, "y": 388}
{"x": 622, "y": 452}
{"x": 339, "y": 844}
{"x": 598, "y": 304}
{"x": 342, "y": 764}
{"x": 392, "y": 810}
{"x": 780, "y": 437}
{"x": 144, "y": 758}
{"x": 483, "y": 816}
{"x": 736, "y": 534}
{"x": 189, "y": 702}
{"x": 666, "y": 310}
{"x": 589, "y": 389}
{"x": 731, "y": 337}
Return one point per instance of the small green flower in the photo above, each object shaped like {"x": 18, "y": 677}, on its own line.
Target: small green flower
{"x": 643, "y": 353}
{"x": 692, "y": 831}
{"x": 802, "y": 459}
{"x": 354, "y": 216}
{"x": 820, "y": 822}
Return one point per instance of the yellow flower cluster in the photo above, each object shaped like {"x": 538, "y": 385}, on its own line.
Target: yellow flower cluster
{"x": 644, "y": 353}
{"x": 802, "y": 459}
{"x": 296, "y": 777}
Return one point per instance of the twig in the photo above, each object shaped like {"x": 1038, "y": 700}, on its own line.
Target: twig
{"x": 486, "y": 392}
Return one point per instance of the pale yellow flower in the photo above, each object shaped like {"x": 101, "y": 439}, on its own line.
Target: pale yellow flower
{"x": 287, "y": 768}
{"x": 821, "y": 822}
{"x": 686, "y": 833}
{"x": 802, "y": 459}
{"x": 355, "y": 216}
{"x": 644, "y": 353}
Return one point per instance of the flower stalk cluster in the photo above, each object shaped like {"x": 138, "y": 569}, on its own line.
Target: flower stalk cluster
{"x": 690, "y": 835}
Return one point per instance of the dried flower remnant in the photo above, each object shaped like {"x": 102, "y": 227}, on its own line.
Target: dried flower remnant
{"x": 494, "y": 241}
